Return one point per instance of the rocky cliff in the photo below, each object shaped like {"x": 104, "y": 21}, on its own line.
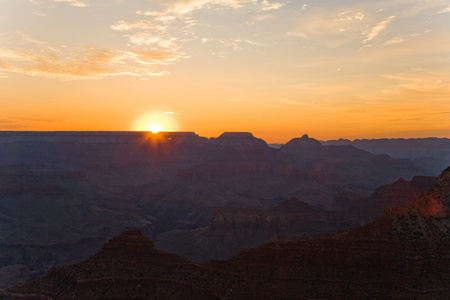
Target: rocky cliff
{"x": 233, "y": 228}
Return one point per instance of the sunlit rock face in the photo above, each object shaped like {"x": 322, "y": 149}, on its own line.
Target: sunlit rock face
{"x": 424, "y": 221}
{"x": 401, "y": 192}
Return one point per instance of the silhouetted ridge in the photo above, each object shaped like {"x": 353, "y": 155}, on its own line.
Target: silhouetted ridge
{"x": 130, "y": 241}
{"x": 239, "y": 140}
{"x": 293, "y": 205}
{"x": 304, "y": 142}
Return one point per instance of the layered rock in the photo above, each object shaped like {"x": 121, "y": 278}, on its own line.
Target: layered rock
{"x": 425, "y": 221}
{"x": 234, "y": 228}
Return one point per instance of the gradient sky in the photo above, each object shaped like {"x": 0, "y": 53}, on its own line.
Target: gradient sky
{"x": 350, "y": 69}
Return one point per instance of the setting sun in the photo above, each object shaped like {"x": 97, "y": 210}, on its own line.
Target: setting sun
{"x": 154, "y": 128}
{"x": 155, "y": 122}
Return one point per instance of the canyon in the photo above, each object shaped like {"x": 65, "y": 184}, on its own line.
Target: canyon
{"x": 403, "y": 254}
{"x": 64, "y": 194}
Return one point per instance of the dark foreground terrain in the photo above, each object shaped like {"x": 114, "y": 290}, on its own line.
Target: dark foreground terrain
{"x": 404, "y": 254}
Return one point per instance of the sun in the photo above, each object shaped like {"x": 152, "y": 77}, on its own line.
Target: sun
{"x": 154, "y": 128}
{"x": 155, "y": 122}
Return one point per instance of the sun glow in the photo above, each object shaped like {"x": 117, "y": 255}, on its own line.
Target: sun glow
{"x": 155, "y": 122}
{"x": 154, "y": 128}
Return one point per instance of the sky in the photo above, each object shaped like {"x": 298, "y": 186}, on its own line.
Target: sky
{"x": 276, "y": 68}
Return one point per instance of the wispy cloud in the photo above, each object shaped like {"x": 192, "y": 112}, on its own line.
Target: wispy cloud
{"x": 444, "y": 10}
{"x": 266, "y": 5}
{"x": 377, "y": 29}
{"x": 401, "y": 39}
{"x": 419, "y": 80}
{"x": 76, "y": 3}
{"x": 84, "y": 63}
{"x": 14, "y": 123}
{"x": 136, "y": 25}
{"x": 183, "y": 7}
{"x": 330, "y": 28}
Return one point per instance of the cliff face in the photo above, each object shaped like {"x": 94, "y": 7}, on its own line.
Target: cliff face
{"x": 236, "y": 228}
{"x": 425, "y": 221}
{"x": 233, "y": 228}
{"x": 399, "y": 193}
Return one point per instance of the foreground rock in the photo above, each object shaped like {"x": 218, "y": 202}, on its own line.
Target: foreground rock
{"x": 402, "y": 255}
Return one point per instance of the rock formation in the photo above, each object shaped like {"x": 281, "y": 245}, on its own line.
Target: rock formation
{"x": 234, "y": 228}
{"x": 385, "y": 259}
{"x": 68, "y": 187}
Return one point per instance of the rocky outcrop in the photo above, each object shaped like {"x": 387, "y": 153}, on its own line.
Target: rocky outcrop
{"x": 305, "y": 142}
{"x": 234, "y": 228}
{"x": 239, "y": 141}
{"x": 127, "y": 267}
{"x": 401, "y": 192}
{"x": 424, "y": 221}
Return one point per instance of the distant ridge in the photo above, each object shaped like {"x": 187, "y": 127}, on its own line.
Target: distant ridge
{"x": 412, "y": 148}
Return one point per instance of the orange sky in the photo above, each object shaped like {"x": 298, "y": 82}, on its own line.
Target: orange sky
{"x": 279, "y": 69}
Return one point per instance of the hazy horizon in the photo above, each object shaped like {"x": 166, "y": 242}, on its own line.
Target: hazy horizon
{"x": 216, "y": 136}
{"x": 276, "y": 68}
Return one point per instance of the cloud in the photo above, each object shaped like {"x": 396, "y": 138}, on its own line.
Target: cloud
{"x": 419, "y": 80}
{"x": 266, "y": 5}
{"x": 183, "y": 7}
{"x": 12, "y": 123}
{"x": 330, "y": 28}
{"x": 38, "y": 59}
{"x": 444, "y": 10}
{"x": 402, "y": 39}
{"x": 377, "y": 29}
{"x": 152, "y": 39}
{"x": 76, "y": 3}
{"x": 136, "y": 25}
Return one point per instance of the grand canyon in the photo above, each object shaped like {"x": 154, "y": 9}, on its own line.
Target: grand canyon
{"x": 97, "y": 214}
